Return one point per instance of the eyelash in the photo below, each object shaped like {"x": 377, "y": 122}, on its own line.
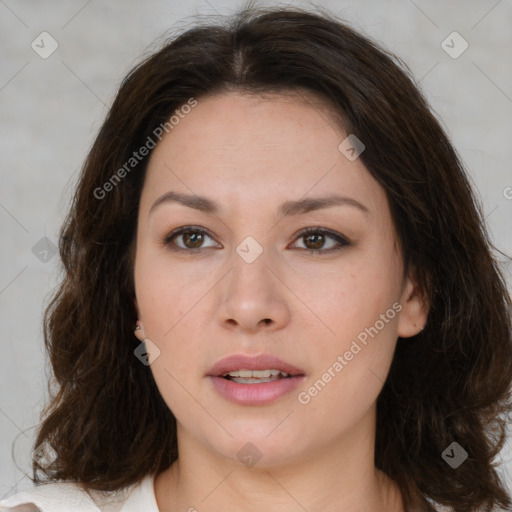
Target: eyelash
{"x": 341, "y": 240}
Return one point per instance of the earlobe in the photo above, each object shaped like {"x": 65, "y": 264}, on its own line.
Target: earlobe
{"x": 414, "y": 313}
{"x": 139, "y": 331}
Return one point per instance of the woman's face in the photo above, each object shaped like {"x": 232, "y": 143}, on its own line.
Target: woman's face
{"x": 247, "y": 283}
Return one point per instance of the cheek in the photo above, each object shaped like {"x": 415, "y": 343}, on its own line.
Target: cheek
{"x": 165, "y": 294}
{"x": 348, "y": 298}
{"x": 172, "y": 296}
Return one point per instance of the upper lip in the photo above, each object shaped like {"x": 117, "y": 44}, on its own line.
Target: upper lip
{"x": 245, "y": 362}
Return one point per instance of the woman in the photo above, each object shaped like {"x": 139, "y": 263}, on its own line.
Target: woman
{"x": 279, "y": 291}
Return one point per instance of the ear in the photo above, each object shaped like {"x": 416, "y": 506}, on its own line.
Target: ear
{"x": 415, "y": 308}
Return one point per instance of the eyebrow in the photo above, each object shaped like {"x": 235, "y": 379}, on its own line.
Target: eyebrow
{"x": 300, "y": 206}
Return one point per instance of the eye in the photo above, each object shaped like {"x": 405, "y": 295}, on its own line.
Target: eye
{"x": 315, "y": 238}
{"x": 192, "y": 238}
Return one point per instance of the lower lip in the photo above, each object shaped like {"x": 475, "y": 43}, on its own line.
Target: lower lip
{"x": 255, "y": 394}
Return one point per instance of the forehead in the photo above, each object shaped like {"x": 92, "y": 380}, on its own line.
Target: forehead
{"x": 234, "y": 144}
{"x": 234, "y": 124}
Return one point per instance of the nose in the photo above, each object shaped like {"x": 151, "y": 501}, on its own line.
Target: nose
{"x": 253, "y": 297}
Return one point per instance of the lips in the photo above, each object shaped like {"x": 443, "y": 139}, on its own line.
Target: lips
{"x": 262, "y": 362}
{"x": 241, "y": 389}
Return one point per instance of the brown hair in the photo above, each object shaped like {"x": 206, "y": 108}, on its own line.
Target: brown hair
{"x": 108, "y": 423}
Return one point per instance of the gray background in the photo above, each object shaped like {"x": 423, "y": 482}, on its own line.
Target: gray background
{"x": 51, "y": 109}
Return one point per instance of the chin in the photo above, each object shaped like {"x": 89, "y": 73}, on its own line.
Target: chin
{"x": 260, "y": 444}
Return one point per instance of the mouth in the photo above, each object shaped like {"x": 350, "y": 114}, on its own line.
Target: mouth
{"x": 254, "y": 380}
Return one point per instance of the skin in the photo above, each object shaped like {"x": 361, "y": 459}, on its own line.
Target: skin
{"x": 250, "y": 154}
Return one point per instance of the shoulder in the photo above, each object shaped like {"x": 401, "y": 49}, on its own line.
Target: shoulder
{"x": 73, "y": 497}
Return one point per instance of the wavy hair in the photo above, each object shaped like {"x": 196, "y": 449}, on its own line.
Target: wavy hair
{"x": 107, "y": 421}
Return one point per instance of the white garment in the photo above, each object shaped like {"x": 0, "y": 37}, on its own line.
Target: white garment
{"x": 70, "y": 497}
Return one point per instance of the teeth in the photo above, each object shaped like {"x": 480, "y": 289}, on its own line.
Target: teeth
{"x": 242, "y": 380}
{"x": 256, "y": 374}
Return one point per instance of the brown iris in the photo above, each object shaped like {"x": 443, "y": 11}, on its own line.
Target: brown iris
{"x": 319, "y": 240}
{"x": 195, "y": 238}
